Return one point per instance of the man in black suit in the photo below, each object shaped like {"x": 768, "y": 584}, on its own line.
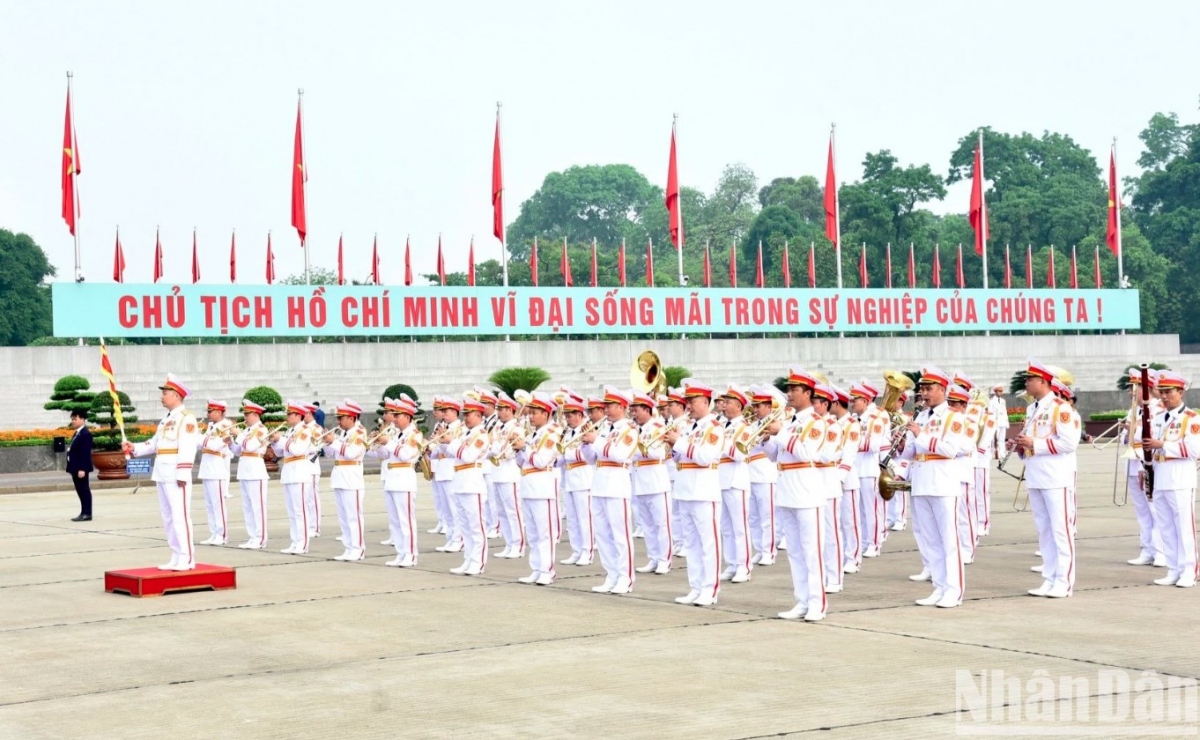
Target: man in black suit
{"x": 79, "y": 464}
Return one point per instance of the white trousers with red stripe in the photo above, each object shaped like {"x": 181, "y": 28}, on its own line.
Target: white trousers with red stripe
{"x": 471, "y": 522}
{"x": 402, "y": 521}
{"x": 874, "y": 513}
{"x": 614, "y": 538}
{"x": 897, "y": 508}
{"x": 254, "y": 510}
{"x": 735, "y": 527}
{"x": 351, "y": 519}
{"x": 444, "y": 506}
{"x": 966, "y": 522}
{"x": 214, "y": 503}
{"x": 851, "y": 528}
{"x": 936, "y": 529}
{"x": 175, "y": 505}
{"x": 508, "y": 508}
{"x": 653, "y": 511}
{"x": 802, "y": 529}
{"x": 762, "y": 519}
{"x": 1147, "y": 518}
{"x": 701, "y": 525}
{"x": 580, "y": 533}
{"x": 312, "y": 506}
{"x": 293, "y": 498}
{"x": 983, "y": 499}
{"x": 831, "y": 540}
{"x": 538, "y": 515}
{"x": 1175, "y": 512}
{"x": 1052, "y": 514}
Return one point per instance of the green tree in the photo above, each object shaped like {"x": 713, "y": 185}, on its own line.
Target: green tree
{"x": 25, "y": 311}
{"x": 803, "y": 195}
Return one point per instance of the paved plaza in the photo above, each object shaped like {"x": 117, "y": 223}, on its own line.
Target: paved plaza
{"x": 307, "y": 647}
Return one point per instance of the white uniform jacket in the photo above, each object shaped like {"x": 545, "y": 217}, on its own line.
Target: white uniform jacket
{"x": 612, "y": 454}
{"x": 875, "y": 438}
{"x": 1055, "y": 429}
{"x": 292, "y": 450}
{"x": 214, "y": 453}
{"x": 850, "y": 438}
{"x": 250, "y": 446}
{"x": 399, "y": 456}
{"x": 507, "y": 470}
{"x": 537, "y": 460}
{"x": 732, "y": 469}
{"x": 698, "y": 450}
{"x": 347, "y": 449}
{"x": 803, "y": 457}
{"x": 933, "y": 454}
{"x": 173, "y": 445}
{"x": 1175, "y": 463}
{"x": 650, "y": 469}
{"x": 577, "y": 470}
{"x": 467, "y": 454}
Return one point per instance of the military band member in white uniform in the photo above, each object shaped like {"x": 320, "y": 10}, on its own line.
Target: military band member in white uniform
{"x": 506, "y": 477}
{"x": 491, "y": 425}
{"x": 898, "y": 506}
{"x": 468, "y": 490}
{"x": 174, "y": 447}
{"x": 763, "y": 476}
{"x": 293, "y": 446}
{"x": 611, "y": 451}
{"x": 312, "y": 487}
{"x": 734, "y": 476}
{"x": 863, "y": 512}
{"x": 935, "y": 438}
{"x": 443, "y": 475}
{"x": 347, "y": 446}
{"x": 1175, "y": 441}
{"x": 651, "y": 485}
{"x": 957, "y": 399}
{"x": 698, "y": 494}
{"x": 1150, "y": 533}
{"x": 577, "y": 473}
{"x": 539, "y": 487}
{"x": 849, "y": 438}
{"x": 214, "y": 472}
{"x": 250, "y": 446}
{"x": 831, "y": 485}
{"x": 677, "y": 415}
{"x": 399, "y": 453}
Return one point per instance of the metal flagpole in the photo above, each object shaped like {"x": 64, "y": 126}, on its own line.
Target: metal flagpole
{"x": 679, "y": 206}
{"x": 837, "y": 207}
{"x": 75, "y": 186}
{"x": 1117, "y": 207}
{"x": 304, "y": 159}
{"x": 983, "y": 221}
{"x": 503, "y": 250}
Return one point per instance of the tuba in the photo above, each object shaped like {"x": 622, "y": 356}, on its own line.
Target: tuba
{"x": 646, "y": 375}
{"x": 897, "y": 383}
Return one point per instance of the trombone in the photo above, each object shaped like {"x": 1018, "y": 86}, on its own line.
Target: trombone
{"x": 570, "y": 445}
{"x": 655, "y": 439}
{"x": 759, "y": 431}
{"x": 1025, "y": 430}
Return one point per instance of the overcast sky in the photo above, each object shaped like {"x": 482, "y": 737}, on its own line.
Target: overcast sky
{"x": 185, "y": 112}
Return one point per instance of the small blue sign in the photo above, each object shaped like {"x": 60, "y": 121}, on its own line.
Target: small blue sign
{"x": 138, "y": 466}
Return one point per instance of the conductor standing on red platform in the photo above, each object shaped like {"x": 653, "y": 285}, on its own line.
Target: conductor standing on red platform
{"x": 174, "y": 447}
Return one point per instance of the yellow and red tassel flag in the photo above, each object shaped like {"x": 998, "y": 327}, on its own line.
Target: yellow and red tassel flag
{"x": 107, "y": 371}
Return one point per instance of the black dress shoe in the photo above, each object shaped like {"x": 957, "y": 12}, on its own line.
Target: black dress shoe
{"x": 82, "y": 518}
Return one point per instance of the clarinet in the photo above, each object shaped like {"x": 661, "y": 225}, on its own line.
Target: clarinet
{"x": 1147, "y": 454}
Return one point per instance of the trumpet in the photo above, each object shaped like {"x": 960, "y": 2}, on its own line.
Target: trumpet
{"x": 454, "y": 431}
{"x": 226, "y": 433}
{"x": 278, "y": 430}
{"x": 671, "y": 426}
{"x": 523, "y": 429}
{"x": 380, "y": 436}
{"x": 569, "y": 446}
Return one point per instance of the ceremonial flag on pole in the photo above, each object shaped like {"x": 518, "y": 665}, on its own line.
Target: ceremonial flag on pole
{"x": 595, "y": 267}
{"x": 299, "y": 177}
{"x": 407, "y": 261}
{"x": 118, "y": 261}
{"x": 1051, "y": 279}
{"x": 707, "y": 267}
{"x": 674, "y": 206}
{"x": 1112, "y": 236}
{"x": 195, "y": 260}
{"x": 937, "y": 266}
{"x": 70, "y": 168}
{"x": 158, "y": 260}
{"x": 270, "y": 261}
{"x": 649, "y": 263}
{"x": 441, "y": 264}
{"x": 831, "y": 199}
{"x": 621, "y": 262}
{"x": 107, "y": 371}
{"x": 912, "y": 267}
{"x": 533, "y": 263}
{"x": 375, "y": 277}
{"x": 889, "y": 265}
{"x": 812, "y": 265}
{"x": 959, "y": 277}
{"x": 497, "y": 185}
{"x": 1074, "y": 270}
{"x": 732, "y": 265}
{"x": 787, "y": 266}
{"x": 978, "y": 212}
{"x": 1007, "y": 268}
{"x": 1029, "y": 266}
{"x": 565, "y": 266}
{"x": 864, "y": 280}
{"x": 471, "y": 263}
{"x": 759, "y": 278}
{"x": 341, "y": 276}
{"x": 233, "y": 258}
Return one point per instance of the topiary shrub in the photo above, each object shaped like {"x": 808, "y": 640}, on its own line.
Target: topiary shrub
{"x": 105, "y": 434}
{"x": 512, "y": 379}
{"x": 71, "y": 394}
{"x": 394, "y": 391}
{"x": 1123, "y": 381}
{"x": 675, "y": 375}
{"x": 270, "y": 400}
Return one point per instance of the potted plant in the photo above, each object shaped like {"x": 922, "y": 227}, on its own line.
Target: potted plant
{"x": 512, "y": 379}
{"x": 70, "y": 394}
{"x": 107, "y": 457}
{"x": 273, "y": 415}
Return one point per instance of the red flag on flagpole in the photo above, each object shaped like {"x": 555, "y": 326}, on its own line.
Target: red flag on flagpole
{"x": 978, "y": 212}
{"x": 621, "y": 263}
{"x": 831, "y": 199}
{"x": 407, "y": 261}
{"x": 497, "y": 185}
{"x": 1099, "y": 282}
{"x": 787, "y": 267}
{"x": 299, "y": 177}
{"x": 1029, "y": 266}
{"x": 341, "y": 276}
{"x": 270, "y": 261}
{"x": 441, "y": 263}
{"x": 195, "y": 260}
{"x": 1051, "y": 278}
{"x": 759, "y": 278}
{"x": 732, "y": 265}
{"x": 812, "y": 265}
{"x": 649, "y": 263}
{"x": 912, "y": 267}
{"x": 533, "y": 263}
{"x": 674, "y": 207}
{"x": 937, "y": 266}
{"x": 375, "y": 277}
{"x": 707, "y": 267}
{"x": 595, "y": 267}
{"x": 233, "y": 257}
{"x": 959, "y": 277}
{"x": 864, "y": 279}
{"x": 70, "y": 168}
{"x": 158, "y": 260}
{"x": 471, "y": 263}
{"x": 1007, "y": 269}
{"x": 565, "y": 266}
{"x": 118, "y": 261}
{"x": 889, "y": 265}
{"x": 1112, "y": 236}
{"x": 1074, "y": 270}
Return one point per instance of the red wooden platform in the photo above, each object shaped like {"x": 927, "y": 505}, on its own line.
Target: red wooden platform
{"x": 154, "y": 582}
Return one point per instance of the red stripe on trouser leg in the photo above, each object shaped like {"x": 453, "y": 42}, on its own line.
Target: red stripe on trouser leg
{"x": 837, "y": 538}
{"x": 262, "y": 516}
{"x": 962, "y": 586}
{"x": 857, "y": 531}
{"x": 667, "y": 520}
{"x": 628, "y": 542}
{"x": 774, "y": 542}
{"x": 820, "y": 561}
{"x": 548, "y": 554}
{"x": 483, "y": 548}
{"x": 520, "y": 523}
{"x": 183, "y": 502}
{"x": 591, "y": 538}
{"x": 303, "y": 517}
{"x": 221, "y": 500}
{"x": 412, "y": 526}
{"x": 746, "y": 527}
{"x": 1070, "y": 542}
{"x": 717, "y": 547}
